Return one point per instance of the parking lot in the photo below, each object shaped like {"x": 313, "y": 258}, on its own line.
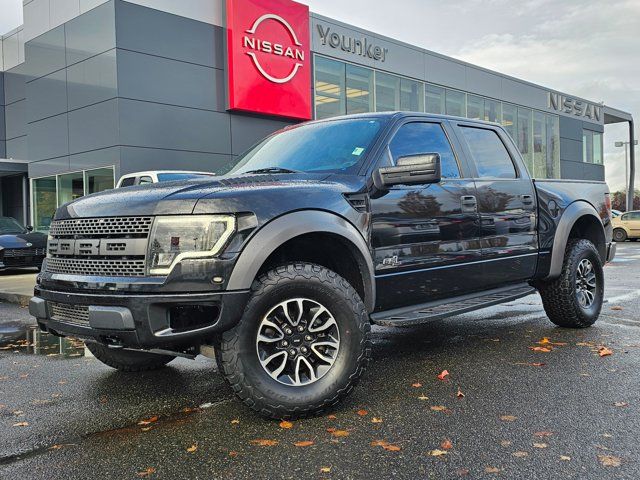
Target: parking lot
{"x": 522, "y": 399}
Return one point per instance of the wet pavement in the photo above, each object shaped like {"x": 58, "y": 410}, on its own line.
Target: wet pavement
{"x": 563, "y": 413}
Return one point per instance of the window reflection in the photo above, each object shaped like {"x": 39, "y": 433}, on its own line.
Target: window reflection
{"x": 434, "y": 99}
{"x": 329, "y": 88}
{"x": 411, "y": 95}
{"x": 387, "y": 92}
{"x": 456, "y": 103}
{"x": 359, "y": 89}
{"x": 475, "y": 107}
{"x": 524, "y": 139}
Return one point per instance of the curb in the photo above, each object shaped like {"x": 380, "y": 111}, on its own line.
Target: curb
{"x": 17, "y": 298}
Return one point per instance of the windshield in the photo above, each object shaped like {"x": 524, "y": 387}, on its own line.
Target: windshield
{"x": 336, "y": 146}
{"x": 169, "y": 177}
{"x": 9, "y": 225}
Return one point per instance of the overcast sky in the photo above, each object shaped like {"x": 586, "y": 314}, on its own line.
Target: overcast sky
{"x": 585, "y": 48}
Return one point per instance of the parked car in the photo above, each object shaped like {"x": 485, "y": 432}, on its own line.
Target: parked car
{"x": 627, "y": 226}
{"x": 616, "y": 213}
{"x": 20, "y": 247}
{"x": 145, "y": 178}
{"x": 281, "y": 266}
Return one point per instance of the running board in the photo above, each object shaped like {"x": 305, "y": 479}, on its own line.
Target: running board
{"x": 426, "y": 312}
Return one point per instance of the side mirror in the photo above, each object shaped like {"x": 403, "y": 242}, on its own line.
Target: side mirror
{"x": 423, "y": 168}
{"x": 29, "y": 228}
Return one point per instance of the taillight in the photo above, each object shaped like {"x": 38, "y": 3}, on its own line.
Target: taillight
{"x": 607, "y": 203}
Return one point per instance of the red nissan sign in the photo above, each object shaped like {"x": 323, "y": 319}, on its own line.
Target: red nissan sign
{"x": 269, "y": 65}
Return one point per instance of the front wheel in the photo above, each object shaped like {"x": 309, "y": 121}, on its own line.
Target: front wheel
{"x": 619, "y": 235}
{"x": 574, "y": 299}
{"x": 302, "y": 344}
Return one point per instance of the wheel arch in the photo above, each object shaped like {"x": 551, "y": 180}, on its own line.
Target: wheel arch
{"x": 289, "y": 227}
{"x": 579, "y": 220}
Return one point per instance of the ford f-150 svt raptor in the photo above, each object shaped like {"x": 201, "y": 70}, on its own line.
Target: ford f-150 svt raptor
{"x": 281, "y": 266}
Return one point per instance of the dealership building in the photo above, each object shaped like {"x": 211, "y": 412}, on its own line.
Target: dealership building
{"x": 93, "y": 89}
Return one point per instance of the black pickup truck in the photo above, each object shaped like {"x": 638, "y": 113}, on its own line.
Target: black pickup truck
{"x": 320, "y": 230}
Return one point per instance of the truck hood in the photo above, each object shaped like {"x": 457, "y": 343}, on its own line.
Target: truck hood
{"x": 228, "y": 194}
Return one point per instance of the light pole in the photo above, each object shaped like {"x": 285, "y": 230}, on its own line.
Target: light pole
{"x": 626, "y": 171}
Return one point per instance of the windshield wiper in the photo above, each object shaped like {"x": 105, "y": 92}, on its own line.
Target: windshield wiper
{"x": 273, "y": 170}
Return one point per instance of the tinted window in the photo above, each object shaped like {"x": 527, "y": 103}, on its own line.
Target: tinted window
{"x": 9, "y": 225}
{"x": 145, "y": 180}
{"x": 128, "y": 182}
{"x": 631, "y": 216}
{"x": 419, "y": 138}
{"x": 488, "y": 151}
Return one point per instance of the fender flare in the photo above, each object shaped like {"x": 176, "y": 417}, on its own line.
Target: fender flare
{"x": 568, "y": 219}
{"x": 282, "y": 229}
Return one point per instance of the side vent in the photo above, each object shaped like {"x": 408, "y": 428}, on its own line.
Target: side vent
{"x": 359, "y": 201}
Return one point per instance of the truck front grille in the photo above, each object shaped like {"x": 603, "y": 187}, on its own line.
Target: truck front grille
{"x": 62, "y": 312}
{"x": 103, "y": 247}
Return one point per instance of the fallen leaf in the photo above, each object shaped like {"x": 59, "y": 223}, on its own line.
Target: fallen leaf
{"x": 565, "y": 458}
{"x": 544, "y": 341}
{"x": 391, "y": 448}
{"x": 604, "y": 351}
{"x": 17, "y": 412}
{"x": 437, "y": 453}
{"x": 460, "y": 394}
{"x": 21, "y": 424}
{"x": 508, "y": 418}
{"x": 492, "y": 470}
{"x": 462, "y": 472}
{"x": 233, "y": 453}
{"x": 609, "y": 460}
{"x": 304, "y": 443}
{"x": 540, "y": 445}
{"x": 543, "y": 434}
{"x": 55, "y": 447}
{"x": 520, "y": 454}
{"x": 585, "y": 344}
{"x": 331, "y": 417}
{"x": 416, "y": 385}
{"x": 376, "y": 420}
{"x": 423, "y": 397}
{"x": 325, "y": 469}
{"x": 340, "y": 433}
{"x": 617, "y": 307}
{"x": 446, "y": 445}
{"x": 235, "y": 421}
{"x": 331, "y": 429}
{"x": 362, "y": 413}
{"x": 541, "y": 349}
{"x": 150, "y": 420}
{"x": 147, "y": 472}
{"x": 146, "y": 429}
{"x": 264, "y": 443}
{"x": 621, "y": 404}
{"x": 505, "y": 443}
{"x": 444, "y": 374}
{"x": 206, "y": 405}
{"x": 286, "y": 425}
{"x": 192, "y": 448}
{"x": 379, "y": 443}
{"x": 438, "y": 408}
{"x": 607, "y": 435}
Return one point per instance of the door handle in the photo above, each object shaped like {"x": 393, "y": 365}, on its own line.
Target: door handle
{"x": 469, "y": 204}
{"x": 527, "y": 199}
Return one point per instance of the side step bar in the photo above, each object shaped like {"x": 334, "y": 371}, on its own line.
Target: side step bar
{"x": 426, "y": 312}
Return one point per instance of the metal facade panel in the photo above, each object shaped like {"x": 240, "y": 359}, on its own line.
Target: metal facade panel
{"x": 484, "y": 83}
{"x": 445, "y": 72}
{"x": 62, "y": 11}
{"x": 91, "y": 33}
{"x": 524, "y": 94}
{"x": 17, "y": 148}
{"x": 138, "y": 159}
{"x": 45, "y": 54}
{"x": 48, "y": 138}
{"x": 47, "y": 96}
{"x": 49, "y": 167}
{"x": 93, "y": 80}
{"x": 94, "y": 127}
{"x": 16, "y": 119}
{"x": 36, "y": 18}
{"x": 95, "y": 159}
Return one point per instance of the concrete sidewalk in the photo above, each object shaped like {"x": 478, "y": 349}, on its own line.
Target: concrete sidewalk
{"x": 16, "y": 286}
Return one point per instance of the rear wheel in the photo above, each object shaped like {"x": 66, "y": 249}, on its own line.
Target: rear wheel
{"x": 619, "y": 235}
{"x": 301, "y": 345}
{"x": 128, "y": 360}
{"x": 574, "y": 299}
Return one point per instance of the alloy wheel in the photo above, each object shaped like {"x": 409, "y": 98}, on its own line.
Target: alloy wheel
{"x": 586, "y": 283}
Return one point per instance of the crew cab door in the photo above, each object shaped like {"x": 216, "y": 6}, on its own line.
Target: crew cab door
{"x": 506, "y": 205}
{"x": 425, "y": 237}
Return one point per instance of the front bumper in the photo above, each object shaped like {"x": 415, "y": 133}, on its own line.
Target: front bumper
{"x": 611, "y": 251}
{"x": 139, "y": 321}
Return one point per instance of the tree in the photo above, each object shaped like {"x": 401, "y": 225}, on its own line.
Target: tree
{"x": 619, "y": 201}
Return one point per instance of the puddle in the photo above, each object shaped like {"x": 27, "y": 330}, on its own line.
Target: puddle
{"x": 30, "y": 340}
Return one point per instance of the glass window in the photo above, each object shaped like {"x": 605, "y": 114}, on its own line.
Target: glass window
{"x": 145, "y": 180}
{"x": 597, "y": 148}
{"x": 435, "y": 99}
{"x": 539, "y": 146}
{"x": 456, "y": 103}
{"x": 509, "y": 119}
{"x": 387, "y": 92}
{"x": 524, "y": 140}
{"x": 411, "y": 95}
{"x": 329, "y": 88}
{"x": 587, "y": 146}
{"x": 359, "y": 89}
{"x": 475, "y": 107}
{"x": 10, "y": 226}
{"x": 491, "y": 156}
{"x": 128, "y": 182}
{"x": 492, "y": 110}
{"x": 44, "y": 202}
{"x": 98, "y": 180}
{"x": 334, "y": 146}
{"x": 553, "y": 146}
{"x": 419, "y": 138}
{"x": 70, "y": 187}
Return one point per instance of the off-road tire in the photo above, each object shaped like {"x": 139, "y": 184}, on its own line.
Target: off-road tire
{"x": 127, "y": 360}
{"x": 559, "y": 296}
{"x": 239, "y": 363}
{"x": 619, "y": 235}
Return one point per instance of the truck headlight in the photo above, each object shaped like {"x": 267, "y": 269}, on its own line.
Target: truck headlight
{"x": 174, "y": 239}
